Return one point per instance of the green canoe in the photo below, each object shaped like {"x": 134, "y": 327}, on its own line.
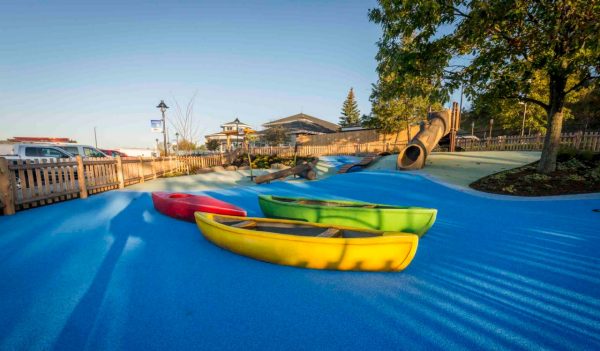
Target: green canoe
{"x": 356, "y": 214}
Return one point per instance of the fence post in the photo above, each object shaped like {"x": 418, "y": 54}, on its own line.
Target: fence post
{"x": 7, "y": 199}
{"x": 141, "y": 170}
{"x": 120, "y": 172}
{"x": 83, "y": 193}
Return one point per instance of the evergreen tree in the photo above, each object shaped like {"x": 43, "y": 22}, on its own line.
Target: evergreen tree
{"x": 350, "y": 113}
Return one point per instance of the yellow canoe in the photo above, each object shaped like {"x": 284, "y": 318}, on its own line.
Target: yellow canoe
{"x": 309, "y": 245}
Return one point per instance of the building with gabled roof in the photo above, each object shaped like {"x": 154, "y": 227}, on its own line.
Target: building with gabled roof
{"x": 228, "y": 132}
{"x": 303, "y": 124}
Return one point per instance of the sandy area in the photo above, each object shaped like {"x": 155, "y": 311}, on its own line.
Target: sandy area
{"x": 463, "y": 168}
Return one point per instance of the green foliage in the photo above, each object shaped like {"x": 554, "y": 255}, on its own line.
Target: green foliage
{"x": 535, "y": 177}
{"x": 509, "y": 189}
{"x": 395, "y": 106}
{"x": 350, "y": 112}
{"x": 573, "y": 164}
{"x": 212, "y": 145}
{"x": 495, "y": 48}
{"x": 185, "y": 145}
{"x": 275, "y": 136}
{"x": 499, "y": 176}
{"x": 594, "y": 175}
{"x": 586, "y": 108}
{"x": 265, "y": 161}
{"x": 574, "y": 178}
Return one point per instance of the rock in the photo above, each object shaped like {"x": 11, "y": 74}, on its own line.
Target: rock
{"x": 231, "y": 168}
{"x": 217, "y": 168}
{"x": 243, "y": 168}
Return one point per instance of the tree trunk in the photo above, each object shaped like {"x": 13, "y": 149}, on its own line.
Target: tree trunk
{"x": 555, "y": 120}
{"x": 551, "y": 142}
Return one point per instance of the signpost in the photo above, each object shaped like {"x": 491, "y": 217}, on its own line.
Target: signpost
{"x": 156, "y": 126}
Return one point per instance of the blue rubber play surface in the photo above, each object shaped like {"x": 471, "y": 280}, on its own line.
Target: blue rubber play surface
{"x": 110, "y": 273}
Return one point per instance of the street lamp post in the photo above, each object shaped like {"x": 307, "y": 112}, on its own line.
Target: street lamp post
{"x": 491, "y": 126}
{"x": 237, "y": 131}
{"x": 157, "y": 148}
{"x": 473, "y": 128}
{"x": 177, "y": 143}
{"x": 163, "y": 107}
{"x": 524, "y": 114}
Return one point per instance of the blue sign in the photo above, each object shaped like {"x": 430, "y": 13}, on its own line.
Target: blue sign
{"x": 156, "y": 126}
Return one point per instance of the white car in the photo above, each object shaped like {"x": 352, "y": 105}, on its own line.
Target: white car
{"x": 82, "y": 150}
{"x": 32, "y": 152}
{"x": 21, "y": 151}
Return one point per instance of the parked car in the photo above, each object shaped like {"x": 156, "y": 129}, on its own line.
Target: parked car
{"x": 82, "y": 150}
{"x": 32, "y": 151}
{"x": 22, "y": 151}
{"x": 113, "y": 153}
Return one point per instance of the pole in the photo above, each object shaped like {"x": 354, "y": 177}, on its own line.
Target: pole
{"x": 461, "y": 98}
{"x": 164, "y": 132}
{"x": 473, "y": 128}
{"x": 95, "y": 138}
{"x": 523, "y": 125}
{"x": 237, "y": 134}
{"x": 491, "y": 125}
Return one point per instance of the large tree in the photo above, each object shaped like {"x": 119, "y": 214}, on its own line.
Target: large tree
{"x": 212, "y": 145}
{"x": 350, "y": 112}
{"x": 276, "y": 135}
{"x": 495, "y": 47}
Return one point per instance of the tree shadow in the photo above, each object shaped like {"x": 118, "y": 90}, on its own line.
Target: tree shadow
{"x": 79, "y": 326}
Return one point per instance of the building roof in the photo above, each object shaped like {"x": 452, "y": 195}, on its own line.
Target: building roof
{"x": 304, "y": 120}
{"x": 41, "y": 140}
{"x": 232, "y": 123}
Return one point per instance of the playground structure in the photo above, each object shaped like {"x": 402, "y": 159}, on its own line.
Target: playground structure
{"x": 439, "y": 125}
{"x": 364, "y": 162}
{"x": 305, "y": 170}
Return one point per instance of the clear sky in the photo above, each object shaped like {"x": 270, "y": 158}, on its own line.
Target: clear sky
{"x": 67, "y": 66}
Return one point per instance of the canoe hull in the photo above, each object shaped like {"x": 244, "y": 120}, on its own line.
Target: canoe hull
{"x": 406, "y": 220}
{"x": 391, "y": 252}
{"x": 182, "y": 206}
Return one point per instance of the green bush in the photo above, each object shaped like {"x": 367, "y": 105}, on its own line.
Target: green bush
{"x": 586, "y": 155}
{"x": 574, "y": 178}
{"x": 594, "y": 175}
{"x": 499, "y": 177}
{"x": 572, "y": 164}
{"x": 535, "y": 177}
{"x": 509, "y": 189}
{"x": 566, "y": 153}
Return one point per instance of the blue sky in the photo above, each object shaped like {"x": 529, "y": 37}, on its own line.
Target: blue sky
{"x": 67, "y": 66}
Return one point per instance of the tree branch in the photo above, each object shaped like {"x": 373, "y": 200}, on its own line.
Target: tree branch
{"x": 581, "y": 83}
{"x": 532, "y": 100}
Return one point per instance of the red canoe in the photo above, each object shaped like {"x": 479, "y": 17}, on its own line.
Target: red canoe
{"x": 183, "y": 206}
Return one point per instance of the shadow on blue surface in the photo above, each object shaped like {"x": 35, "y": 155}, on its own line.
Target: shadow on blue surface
{"x": 109, "y": 272}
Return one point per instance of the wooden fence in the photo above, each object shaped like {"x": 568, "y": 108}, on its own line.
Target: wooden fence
{"x": 578, "y": 140}
{"x": 325, "y": 150}
{"x": 29, "y": 183}
{"x": 32, "y": 183}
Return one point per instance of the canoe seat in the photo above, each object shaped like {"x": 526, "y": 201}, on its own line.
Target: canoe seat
{"x": 330, "y": 233}
{"x": 245, "y": 224}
